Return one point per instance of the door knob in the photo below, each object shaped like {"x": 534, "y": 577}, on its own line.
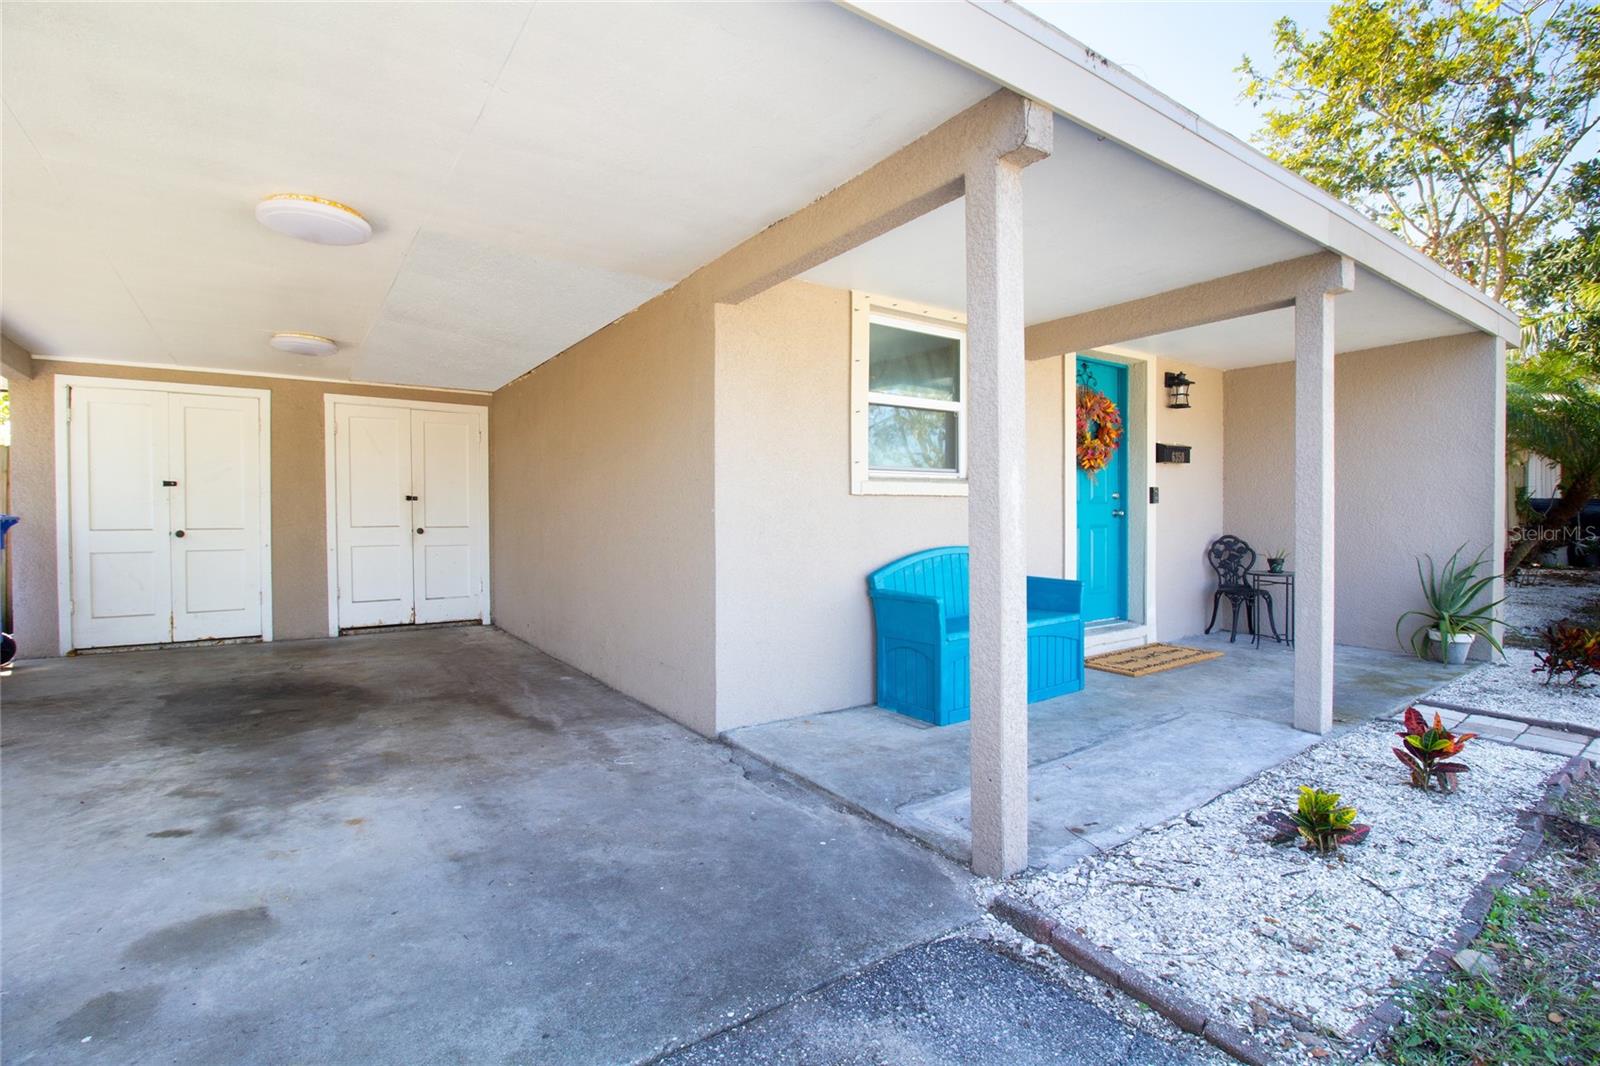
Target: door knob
{"x": 411, "y": 499}
{"x": 419, "y": 529}
{"x": 179, "y": 533}
{"x": 1119, "y": 513}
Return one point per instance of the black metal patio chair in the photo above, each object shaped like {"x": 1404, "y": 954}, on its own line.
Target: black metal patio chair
{"x": 1233, "y": 559}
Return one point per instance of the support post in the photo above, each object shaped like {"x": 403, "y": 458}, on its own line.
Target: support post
{"x": 1496, "y": 351}
{"x": 1313, "y": 511}
{"x": 996, "y": 518}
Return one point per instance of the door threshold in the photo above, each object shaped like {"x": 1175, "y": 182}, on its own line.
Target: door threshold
{"x": 215, "y": 642}
{"x": 408, "y": 627}
{"x": 1114, "y": 636}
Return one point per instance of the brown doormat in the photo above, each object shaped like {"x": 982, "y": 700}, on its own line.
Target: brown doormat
{"x": 1148, "y": 659}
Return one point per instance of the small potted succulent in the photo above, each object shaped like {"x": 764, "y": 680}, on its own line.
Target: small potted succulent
{"x": 1276, "y": 560}
{"x": 1454, "y": 617}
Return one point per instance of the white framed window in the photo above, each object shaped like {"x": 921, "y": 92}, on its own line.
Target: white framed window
{"x": 908, "y": 389}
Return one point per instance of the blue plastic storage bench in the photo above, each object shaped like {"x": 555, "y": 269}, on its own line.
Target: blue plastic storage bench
{"x": 920, "y": 604}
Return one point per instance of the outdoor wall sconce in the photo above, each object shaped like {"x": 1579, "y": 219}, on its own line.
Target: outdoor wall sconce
{"x": 1178, "y": 389}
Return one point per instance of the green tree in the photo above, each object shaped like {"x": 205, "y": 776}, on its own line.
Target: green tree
{"x": 1465, "y": 128}
{"x": 1553, "y": 408}
{"x": 1452, "y": 123}
{"x": 1553, "y": 384}
{"x": 1560, "y": 286}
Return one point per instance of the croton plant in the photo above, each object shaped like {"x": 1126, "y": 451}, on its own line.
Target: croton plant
{"x": 1571, "y": 653}
{"x": 1320, "y": 820}
{"x": 1428, "y": 751}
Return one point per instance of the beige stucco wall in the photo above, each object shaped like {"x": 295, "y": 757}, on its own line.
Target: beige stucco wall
{"x": 1258, "y": 485}
{"x": 299, "y": 512}
{"x": 1190, "y": 514}
{"x": 602, "y": 496}
{"x": 600, "y": 503}
{"x": 1408, "y": 479}
{"x": 1047, "y": 461}
{"x": 609, "y": 553}
{"x": 794, "y": 628}
{"x": 793, "y": 545}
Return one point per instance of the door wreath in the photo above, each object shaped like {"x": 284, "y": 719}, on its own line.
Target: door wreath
{"x": 1099, "y": 430}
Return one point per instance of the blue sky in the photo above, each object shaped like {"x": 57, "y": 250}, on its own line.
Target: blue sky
{"x": 1186, "y": 49}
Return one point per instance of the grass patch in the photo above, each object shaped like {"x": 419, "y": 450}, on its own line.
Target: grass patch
{"x": 1543, "y": 1006}
{"x": 1581, "y": 805}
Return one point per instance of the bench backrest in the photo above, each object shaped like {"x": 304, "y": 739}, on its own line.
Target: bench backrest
{"x": 937, "y": 572}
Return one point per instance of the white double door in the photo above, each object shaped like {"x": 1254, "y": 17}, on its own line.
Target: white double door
{"x": 410, "y": 513}
{"x": 168, "y": 541}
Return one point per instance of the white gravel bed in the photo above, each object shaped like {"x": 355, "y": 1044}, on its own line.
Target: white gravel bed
{"x": 1275, "y": 939}
{"x": 1542, "y": 597}
{"x": 1510, "y": 686}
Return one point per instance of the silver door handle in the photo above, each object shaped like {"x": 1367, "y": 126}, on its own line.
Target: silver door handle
{"x": 1118, "y": 513}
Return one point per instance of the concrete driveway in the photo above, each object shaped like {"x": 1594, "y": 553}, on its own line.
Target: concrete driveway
{"x": 435, "y": 846}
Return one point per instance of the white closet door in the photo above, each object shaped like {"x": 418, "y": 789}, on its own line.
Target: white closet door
{"x": 120, "y": 524}
{"x": 444, "y": 463}
{"x": 372, "y": 480}
{"x": 216, "y": 516}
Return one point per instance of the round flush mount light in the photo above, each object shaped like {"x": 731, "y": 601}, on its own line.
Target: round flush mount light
{"x": 311, "y": 218}
{"x": 303, "y": 344}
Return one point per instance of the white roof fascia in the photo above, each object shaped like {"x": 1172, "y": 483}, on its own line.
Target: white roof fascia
{"x": 1031, "y": 57}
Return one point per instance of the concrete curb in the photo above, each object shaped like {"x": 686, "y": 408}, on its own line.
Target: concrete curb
{"x": 1364, "y": 1036}
{"x": 1103, "y": 964}
{"x": 1547, "y": 723}
{"x": 748, "y": 760}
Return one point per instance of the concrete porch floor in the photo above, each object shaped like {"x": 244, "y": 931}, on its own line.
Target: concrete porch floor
{"x": 1122, "y": 755}
{"x": 438, "y": 846}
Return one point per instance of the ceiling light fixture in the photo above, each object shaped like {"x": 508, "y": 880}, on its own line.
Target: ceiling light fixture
{"x": 303, "y": 344}
{"x": 311, "y": 218}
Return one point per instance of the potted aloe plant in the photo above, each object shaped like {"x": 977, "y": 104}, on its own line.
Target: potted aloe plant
{"x": 1276, "y": 559}
{"x": 1453, "y": 618}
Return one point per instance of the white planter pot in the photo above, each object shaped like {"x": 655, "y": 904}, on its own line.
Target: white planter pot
{"x": 1454, "y": 653}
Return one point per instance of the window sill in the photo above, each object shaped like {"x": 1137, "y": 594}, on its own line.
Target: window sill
{"x": 910, "y": 486}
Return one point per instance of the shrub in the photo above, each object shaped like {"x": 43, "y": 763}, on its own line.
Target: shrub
{"x": 1320, "y": 820}
{"x": 1428, "y": 750}
{"x": 1571, "y": 652}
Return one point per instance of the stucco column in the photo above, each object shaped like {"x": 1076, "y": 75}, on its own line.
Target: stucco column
{"x": 1313, "y": 511}
{"x": 996, "y": 517}
{"x": 1495, "y": 349}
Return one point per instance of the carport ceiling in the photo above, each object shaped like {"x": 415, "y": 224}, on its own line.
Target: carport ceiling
{"x": 1371, "y": 315}
{"x": 532, "y": 171}
{"x": 1103, "y": 225}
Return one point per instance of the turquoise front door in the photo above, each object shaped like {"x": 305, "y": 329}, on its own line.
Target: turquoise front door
{"x": 1103, "y": 507}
